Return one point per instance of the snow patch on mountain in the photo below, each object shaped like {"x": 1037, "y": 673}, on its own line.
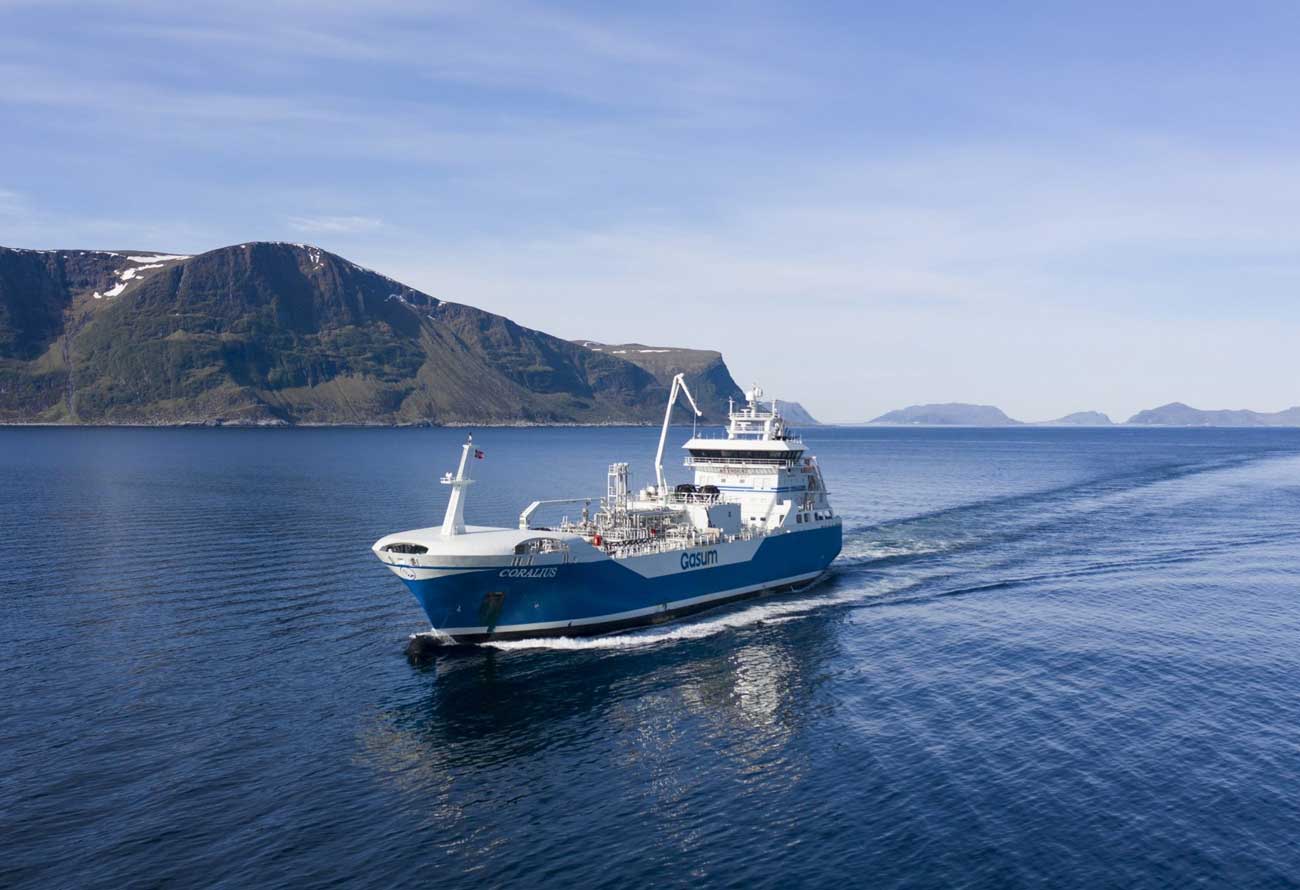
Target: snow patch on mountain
{"x": 129, "y": 275}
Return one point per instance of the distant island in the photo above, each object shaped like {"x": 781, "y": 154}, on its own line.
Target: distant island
{"x": 275, "y": 334}
{"x": 797, "y": 415}
{"x": 1080, "y": 418}
{"x": 1173, "y": 414}
{"x": 947, "y": 414}
{"x": 1178, "y": 414}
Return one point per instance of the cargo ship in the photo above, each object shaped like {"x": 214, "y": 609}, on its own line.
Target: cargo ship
{"x": 756, "y": 520}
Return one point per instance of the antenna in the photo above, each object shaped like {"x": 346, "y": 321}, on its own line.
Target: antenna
{"x": 453, "y": 523}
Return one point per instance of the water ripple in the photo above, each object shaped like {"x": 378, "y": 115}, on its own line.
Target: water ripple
{"x": 1058, "y": 658}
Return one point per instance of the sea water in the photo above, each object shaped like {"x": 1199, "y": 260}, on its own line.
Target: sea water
{"x": 1045, "y": 657}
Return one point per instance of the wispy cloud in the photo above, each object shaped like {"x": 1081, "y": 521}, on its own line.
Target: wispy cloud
{"x": 866, "y": 208}
{"x": 335, "y": 225}
{"x": 958, "y": 274}
{"x": 11, "y": 203}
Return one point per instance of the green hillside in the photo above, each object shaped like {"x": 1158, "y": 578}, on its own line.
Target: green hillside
{"x": 289, "y": 334}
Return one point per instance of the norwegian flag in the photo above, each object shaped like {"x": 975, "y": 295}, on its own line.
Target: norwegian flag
{"x": 478, "y": 454}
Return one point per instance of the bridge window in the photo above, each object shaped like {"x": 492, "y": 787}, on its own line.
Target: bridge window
{"x": 727, "y": 453}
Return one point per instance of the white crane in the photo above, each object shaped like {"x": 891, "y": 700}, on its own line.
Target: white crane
{"x": 679, "y": 384}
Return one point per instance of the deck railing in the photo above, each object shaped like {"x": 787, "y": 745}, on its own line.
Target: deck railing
{"x": 760, "y": 462}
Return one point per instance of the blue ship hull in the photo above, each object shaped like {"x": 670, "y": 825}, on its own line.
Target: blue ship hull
{"x": 587, "y": 598}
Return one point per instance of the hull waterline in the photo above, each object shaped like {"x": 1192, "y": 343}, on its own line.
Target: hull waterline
{"x": 755, "y": 521}
{"x": 583, "y": 599}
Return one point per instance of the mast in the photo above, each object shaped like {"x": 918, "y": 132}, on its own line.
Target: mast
{"x": 679, "y": 384}
{"x": 454, "y": 522}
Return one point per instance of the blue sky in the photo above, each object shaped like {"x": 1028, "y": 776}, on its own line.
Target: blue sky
{"x": 1045, "y": 206}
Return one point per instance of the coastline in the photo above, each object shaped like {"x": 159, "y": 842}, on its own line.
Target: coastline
{"x": 282, "y": 425}
{"x": 525, "y": 424}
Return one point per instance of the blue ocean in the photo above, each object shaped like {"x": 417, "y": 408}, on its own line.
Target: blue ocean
{"x": 1045, "y": 658}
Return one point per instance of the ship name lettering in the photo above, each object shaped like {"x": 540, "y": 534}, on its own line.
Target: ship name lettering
{"x": 548, "y": 572}
{"x": 699, "y": 560}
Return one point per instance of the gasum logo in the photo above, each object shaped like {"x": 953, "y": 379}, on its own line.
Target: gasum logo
{"x": 699, "y": 560}
{"x": 549, "y": 572}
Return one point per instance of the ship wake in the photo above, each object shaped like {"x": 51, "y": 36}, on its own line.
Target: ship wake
{"x": 770, "y": 612}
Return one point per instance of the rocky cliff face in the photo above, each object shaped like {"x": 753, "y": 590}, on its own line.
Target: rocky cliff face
{"x": 286, "y": 333}
{"x": 707, "y": 376}
{"x": 46, "y": 298}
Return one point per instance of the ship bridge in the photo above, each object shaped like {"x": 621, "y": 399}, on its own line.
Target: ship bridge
{"x": 756, "y": 434}
{"x": 761, "y": 466}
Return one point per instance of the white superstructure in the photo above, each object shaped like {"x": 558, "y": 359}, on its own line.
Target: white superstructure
{"x": 756, "y": 517}
{"x": 761, "y": 467}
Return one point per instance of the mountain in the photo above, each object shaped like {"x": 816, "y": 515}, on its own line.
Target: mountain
{"x": 1178, "y": 414}
{"x": 796, "y": 415}
{"x": 278, "y": 333}
{"x": 1080, "y": 418}
{"x": 948, "y": 414}
{"x": 707, "y": 376}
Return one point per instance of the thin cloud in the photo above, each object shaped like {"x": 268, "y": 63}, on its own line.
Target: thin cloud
{"x": 900, "y": 277}
{"x": 335, "y": 225}
{"x": 11, "y": 203}
{"x": 1049, "y": 228}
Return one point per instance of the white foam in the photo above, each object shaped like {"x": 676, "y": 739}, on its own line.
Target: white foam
{"x": 435, "y": 634}
{"x": 868, "y": 549}
{"x": 779, "y": 612}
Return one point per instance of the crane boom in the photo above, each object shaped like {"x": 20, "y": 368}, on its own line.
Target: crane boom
{"x": 679, "y": 385}
{"x": 525, "y": 516}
